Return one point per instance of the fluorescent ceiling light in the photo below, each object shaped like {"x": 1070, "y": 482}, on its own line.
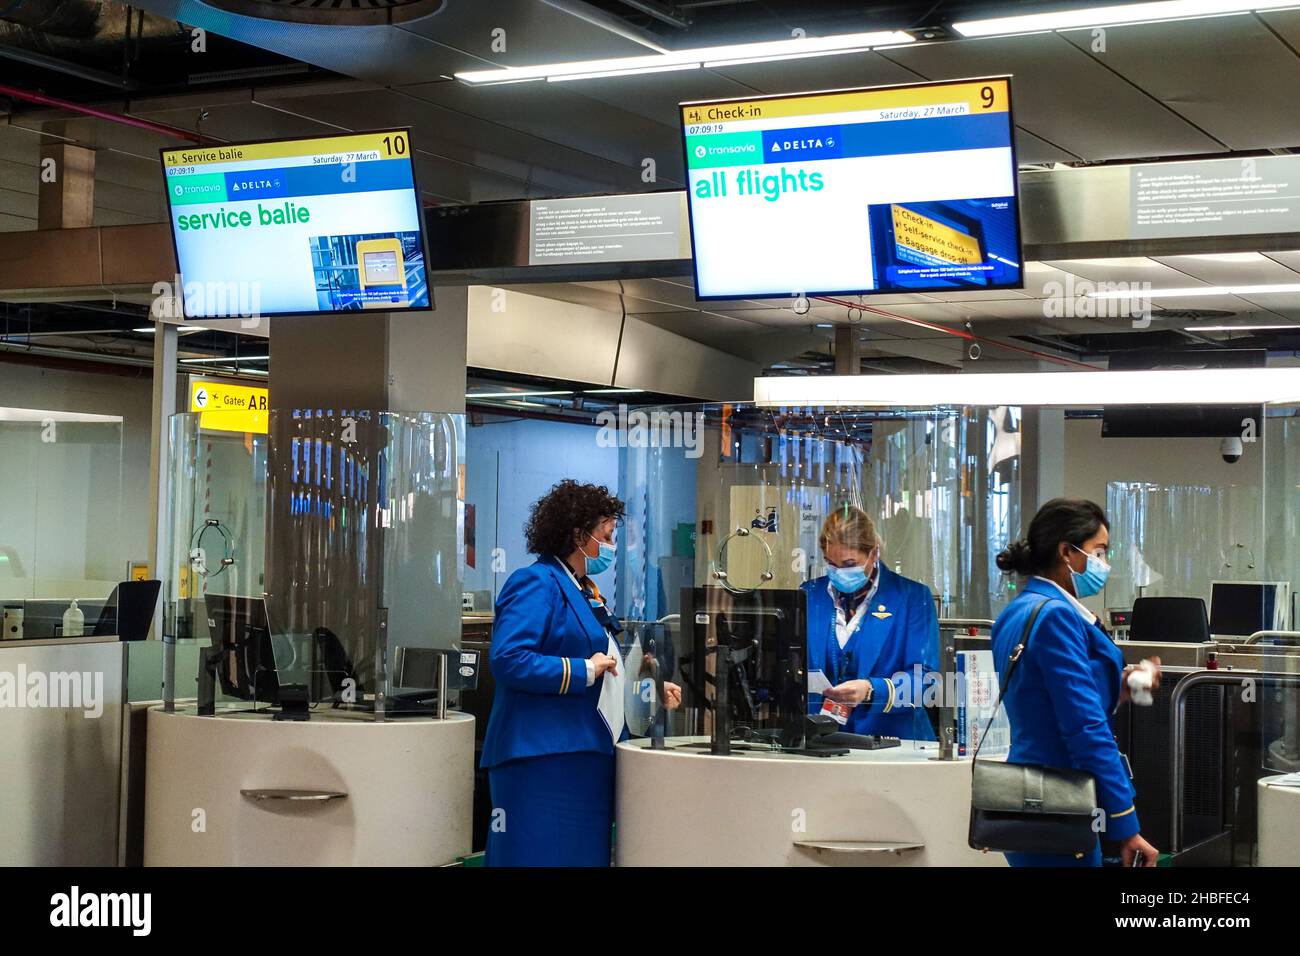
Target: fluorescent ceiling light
{"x": 779, "y": 58}
{"x": 1243, "y": 386}
{"x": 638, "y": 71}
{"x": 512, "y": 394}
{"x": 1237, "y": 328}
{"x": 1191, "y": 291}
{"x": 149, "y": 329}
{"x": 1113, "y": 15}
{"x": 44, "y": 415}
{"x": 612, "y": 391}
{"x": 690, "y": 59}
{"x": 228, "y": 360}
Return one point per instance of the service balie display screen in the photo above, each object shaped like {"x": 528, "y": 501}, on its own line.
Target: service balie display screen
{"x": 298, "y": 226}
{"x": 897, "y": 189}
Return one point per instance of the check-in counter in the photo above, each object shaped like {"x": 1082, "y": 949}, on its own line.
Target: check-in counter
{"x": 1279, "y": 820}
{"x": 244, "y": 789}
{"x": 682, "y": 806}
{"x": 61, "y": 729}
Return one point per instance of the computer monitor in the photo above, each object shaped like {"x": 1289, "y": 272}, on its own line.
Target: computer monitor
{"x": 238, "y": 626}
{"x": 765, "y": 632}
{"x": 1240, "y": 608}
{"x": 128, "y": 612}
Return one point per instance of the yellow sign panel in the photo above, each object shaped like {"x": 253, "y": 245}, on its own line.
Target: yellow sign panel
{"x": 387, "y": 144}
{"x": 933, "y": 239}
{"x": 975, "y": 96}
{"x": 230, "y": 408}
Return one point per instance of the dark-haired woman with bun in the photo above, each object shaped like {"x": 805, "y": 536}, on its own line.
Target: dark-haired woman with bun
{"x": 1072, "y": 677}
{"x": 549, "y": 748}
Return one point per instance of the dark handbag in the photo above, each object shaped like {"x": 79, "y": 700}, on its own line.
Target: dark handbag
{"x": 1024, "y": 807}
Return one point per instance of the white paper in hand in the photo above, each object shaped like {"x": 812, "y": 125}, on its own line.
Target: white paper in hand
{"x": 610, "y": 706}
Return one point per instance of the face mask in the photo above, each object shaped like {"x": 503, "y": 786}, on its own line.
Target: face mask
{"x": 1094, "y": 575}
{"x": 847, "y": 580}
{"x": 603, "y": 560}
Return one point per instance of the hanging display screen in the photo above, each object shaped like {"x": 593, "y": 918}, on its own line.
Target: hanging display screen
{"x": 297, "y": 226}
{"x": 896, "y": 189}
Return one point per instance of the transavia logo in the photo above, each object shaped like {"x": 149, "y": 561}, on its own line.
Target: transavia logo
{"x": 651, "y": 429}
{"x": 729, "y": 150}
{"x": 76, "y": 690}
{"x": 75, "y": 908}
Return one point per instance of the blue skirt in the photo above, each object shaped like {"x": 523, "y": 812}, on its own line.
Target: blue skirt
{"x": 552, "y": 810}
{"x": 1054, "y": 859}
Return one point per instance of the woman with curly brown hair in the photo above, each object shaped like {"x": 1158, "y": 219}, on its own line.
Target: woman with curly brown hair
{"x": 557, "y": 714}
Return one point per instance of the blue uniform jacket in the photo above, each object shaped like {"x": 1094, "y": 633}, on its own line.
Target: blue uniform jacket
{"x": 896, "y": 645}
{"x": 1062, "y": 696}
{"x": 542, "y": 635}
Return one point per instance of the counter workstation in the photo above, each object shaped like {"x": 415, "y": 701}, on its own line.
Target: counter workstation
{"x": 683, "y": 806}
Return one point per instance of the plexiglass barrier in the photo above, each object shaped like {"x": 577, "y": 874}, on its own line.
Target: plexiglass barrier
{"x": 320, "y": 563}
{"x": 725, "y": 505}
{"x": 61, "y": 535}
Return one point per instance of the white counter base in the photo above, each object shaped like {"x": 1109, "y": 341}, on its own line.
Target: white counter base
{"x": 408, "y": 784}
{"x": 1279, "y": 822}
{"x": 895, "y": 807}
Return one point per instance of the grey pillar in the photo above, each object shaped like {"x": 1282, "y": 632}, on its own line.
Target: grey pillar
{"x": 392, "y": 361}
{"x": 848, "y": 351}
{"x": 1042, "y": 458}
{"x": 379, "y": 586}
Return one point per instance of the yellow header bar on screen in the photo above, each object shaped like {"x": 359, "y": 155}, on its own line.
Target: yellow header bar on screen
{"x": 982, "y": 96}
{"x": 391, "y": 144}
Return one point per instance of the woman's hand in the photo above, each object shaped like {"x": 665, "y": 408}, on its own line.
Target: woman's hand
{"x": 851, "y": 692}
{"x": 672, "y": 695}
{"x": 1135, "y": 845}
{"x": 602, "y": 663}
{"x": 1125, "y": 692}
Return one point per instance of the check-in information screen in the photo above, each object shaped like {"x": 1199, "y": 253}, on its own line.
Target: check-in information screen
{"x": 297, "y": 226}
{"x": 902, "y": 189}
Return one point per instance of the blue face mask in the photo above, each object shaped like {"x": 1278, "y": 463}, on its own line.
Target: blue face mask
{"x": 1094, "y": 575}
{"x": 847, "y": 580}
{"x": 603, "y": 560}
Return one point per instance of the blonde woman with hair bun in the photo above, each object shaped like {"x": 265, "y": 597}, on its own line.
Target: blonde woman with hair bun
{"x": 872, "y": 633}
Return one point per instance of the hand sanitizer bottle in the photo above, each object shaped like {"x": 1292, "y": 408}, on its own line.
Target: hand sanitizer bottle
{"x": 74, "y": 621}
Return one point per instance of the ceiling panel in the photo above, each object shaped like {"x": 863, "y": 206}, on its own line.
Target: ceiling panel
{"x": 546, "y": 112}
{"x": 655, "y": 96}
{"x": 1031, "y": 149}
{"x": 1231, "y": 268}
{"x": 532, "y": 33}
{"x": 1064, "y": 96}
{"x": 843, "y": 71}
{"x": 1231, "y": 75}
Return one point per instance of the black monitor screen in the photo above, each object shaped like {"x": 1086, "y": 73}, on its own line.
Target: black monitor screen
{"x": 1241, "y": 607}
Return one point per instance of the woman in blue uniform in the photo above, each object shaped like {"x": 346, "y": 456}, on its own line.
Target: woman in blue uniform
{"x": 549, "y": 748}
{"x": 874, "y": 635}
{"x": 1071, "y": 678}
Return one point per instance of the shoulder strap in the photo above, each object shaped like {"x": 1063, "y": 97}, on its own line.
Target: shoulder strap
{"x": 1017, "y": 652}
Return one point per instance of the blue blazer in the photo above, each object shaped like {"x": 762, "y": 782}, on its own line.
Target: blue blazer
{"x": 895, "y": 646}
{"x": 1065, "y": 691}
{"x": 543, "y": 633}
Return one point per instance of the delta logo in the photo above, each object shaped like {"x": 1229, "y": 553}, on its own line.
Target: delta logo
{"x": 242, "y": 185}
{"x": 794, "y": 145}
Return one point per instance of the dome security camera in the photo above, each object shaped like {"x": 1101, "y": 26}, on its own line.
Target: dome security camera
{"x": 1230, "y": 449}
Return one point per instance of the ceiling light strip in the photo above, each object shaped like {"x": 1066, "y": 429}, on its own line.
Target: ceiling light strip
{"x": 1243, "y": 386}
{"x": 733, "y": 54}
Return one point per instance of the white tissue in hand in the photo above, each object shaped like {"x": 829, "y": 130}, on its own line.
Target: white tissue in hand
{"x": 1140, "y": 681}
